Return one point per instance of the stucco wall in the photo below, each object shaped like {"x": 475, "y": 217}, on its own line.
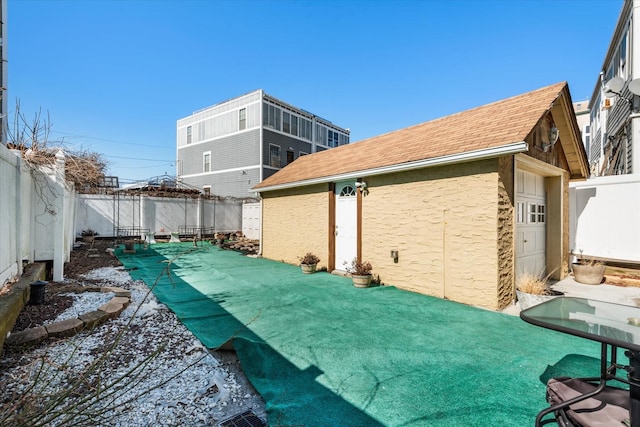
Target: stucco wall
{"x": 295, "y": 222}
{"x": 443, "y": 223}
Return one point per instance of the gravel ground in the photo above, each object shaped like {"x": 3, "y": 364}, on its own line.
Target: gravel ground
{"x": 160, "y": 373}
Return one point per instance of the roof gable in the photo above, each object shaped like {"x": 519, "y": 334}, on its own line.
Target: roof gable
{"x": 489, "y": 127}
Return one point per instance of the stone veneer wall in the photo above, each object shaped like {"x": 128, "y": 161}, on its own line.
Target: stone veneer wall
{"x": 566, "y": 249}
{"x": 294, "y": 222}
{"x": 506, "y": 229}
{"x": 443, "y": 223}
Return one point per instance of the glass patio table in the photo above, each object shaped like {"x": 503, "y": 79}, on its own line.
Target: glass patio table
{"x": 612, "y": 325}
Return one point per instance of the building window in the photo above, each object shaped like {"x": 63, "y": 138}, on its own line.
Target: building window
{"x": 541, "y": 214}
{"x": 520, "y": 212}
{"x": 286, "y": 122}
{"x": 305, "y": 129}
{"x": 188, "y": 134}
{"x": 290, "y": 157}
{"x": 348, "y": 191}
{"x": 532, "y": 211}
{"x": 289, "y": 123}
{"x": 537, "y": 213}
{"x": 206, "y": 190}
{"x": 333, "y": 138}
{"x": 242, "y": 119}
{"x": 274, "y": 156}
{"x": 206, "y": 161}
{"x": 321, "y": 135}
{"x": 271, "y": 117}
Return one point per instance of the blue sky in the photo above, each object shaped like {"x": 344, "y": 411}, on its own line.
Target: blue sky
{"x": 115, "y": 75}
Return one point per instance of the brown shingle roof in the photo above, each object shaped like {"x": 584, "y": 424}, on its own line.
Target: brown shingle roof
{"x": 493, "y": 125}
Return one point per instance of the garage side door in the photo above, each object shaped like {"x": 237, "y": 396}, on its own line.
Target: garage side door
{"x": 346, "y": 231}
{"x": 531, "y": 219}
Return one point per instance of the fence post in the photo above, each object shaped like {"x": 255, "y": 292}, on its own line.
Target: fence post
{"x": 59, "y": 235}
{"x": 200, "y": 215}
{"x": 20, "y": 206}
{"x": 143, "y": 217}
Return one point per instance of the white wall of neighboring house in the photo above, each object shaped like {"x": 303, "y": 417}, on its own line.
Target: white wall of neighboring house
{"x": 604, "y": 217}
{"x": 604, "y": 220}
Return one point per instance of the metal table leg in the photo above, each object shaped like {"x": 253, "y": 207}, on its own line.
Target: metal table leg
{"x": 634, "y": 386}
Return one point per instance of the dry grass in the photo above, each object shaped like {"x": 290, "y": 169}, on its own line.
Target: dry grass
{"x": 592, "y": 262}
{"x": 532, "y": 284}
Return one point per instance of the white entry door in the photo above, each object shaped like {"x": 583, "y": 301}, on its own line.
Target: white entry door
{"x": 531, "y": 220}
{"x": 346, "y": 224}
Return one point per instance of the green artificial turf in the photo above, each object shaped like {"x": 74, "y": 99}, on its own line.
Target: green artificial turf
{"x": 324, "y": 353}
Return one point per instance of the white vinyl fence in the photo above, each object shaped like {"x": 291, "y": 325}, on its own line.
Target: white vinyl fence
{"x": 37, "y": 212}
{"x": 122, "y": 214}
{"x": 605, "y": 217}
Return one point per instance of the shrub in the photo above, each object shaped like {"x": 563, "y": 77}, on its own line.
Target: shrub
{"x": 359, "y": 268}
{"x": 532, "y": 284}
{"x": 309, "y": 258}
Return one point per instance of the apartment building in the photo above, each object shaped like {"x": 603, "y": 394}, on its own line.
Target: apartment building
{"x": 582, "y": 111}
{"x": 615, "y": 104}
{"x": 228, "y": 148}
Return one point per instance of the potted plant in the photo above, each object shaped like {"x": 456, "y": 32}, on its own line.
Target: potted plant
{"x": 532, "y": 290}
{"x": 587, "y": 270}
{"x": 220, "y": 238}
{"x": 88, "y": 235}
{"x": 360, "y": 272}
{"x": 308, "y": 263}
{"x": 129, "y": 245}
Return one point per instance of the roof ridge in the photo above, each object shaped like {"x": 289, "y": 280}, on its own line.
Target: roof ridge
{"x": 530, "y": 93}
{"x": 480, "y": 129}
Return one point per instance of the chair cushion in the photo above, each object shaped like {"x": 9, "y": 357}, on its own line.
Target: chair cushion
{"x": 609, "y": 408}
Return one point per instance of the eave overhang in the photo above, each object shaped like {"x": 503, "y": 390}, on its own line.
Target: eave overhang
{"x": 487, "y": 153}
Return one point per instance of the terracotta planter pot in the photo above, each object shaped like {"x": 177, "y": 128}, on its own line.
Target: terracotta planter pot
{"x": 361, "y": 281}
{"x": 88, "y": 239}
{"x": 588, "y": 274}
{"x": 308, "y": 268}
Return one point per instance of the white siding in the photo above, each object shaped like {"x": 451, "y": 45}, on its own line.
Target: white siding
{"x": 604, "y": 217}
{"x": 219, "y": 120}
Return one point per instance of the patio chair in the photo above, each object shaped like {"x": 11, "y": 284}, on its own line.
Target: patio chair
{"x": 610, "y": 407}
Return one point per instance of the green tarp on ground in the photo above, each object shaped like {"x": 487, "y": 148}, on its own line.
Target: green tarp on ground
{"x": 324, "y": 353}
